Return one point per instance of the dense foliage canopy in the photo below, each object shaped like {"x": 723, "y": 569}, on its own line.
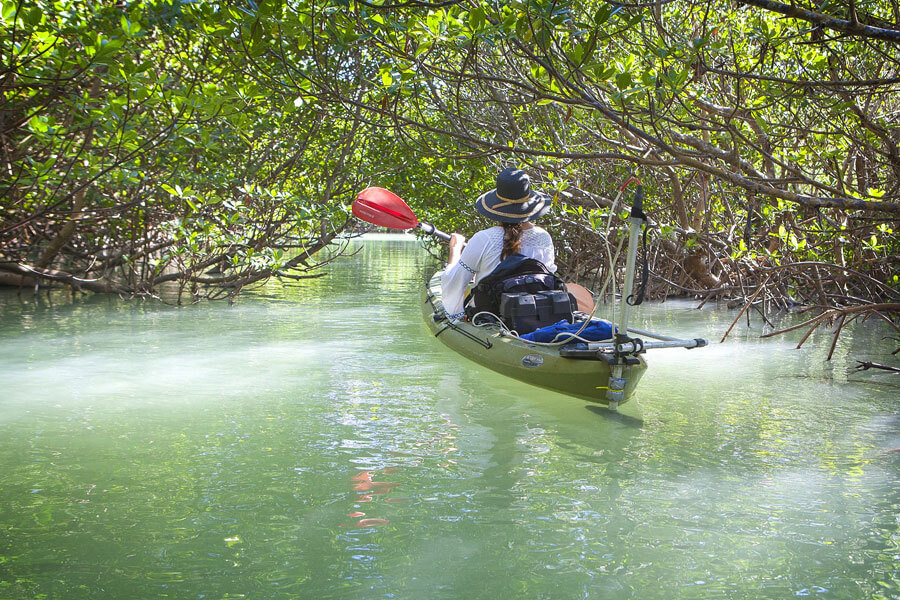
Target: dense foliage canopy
{"x": 217, "y": 144}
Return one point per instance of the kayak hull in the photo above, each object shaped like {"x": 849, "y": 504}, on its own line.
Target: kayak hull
{"x": 534, "y": 364}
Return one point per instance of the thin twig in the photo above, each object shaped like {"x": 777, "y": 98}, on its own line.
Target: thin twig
{"x": 746, "y": 306}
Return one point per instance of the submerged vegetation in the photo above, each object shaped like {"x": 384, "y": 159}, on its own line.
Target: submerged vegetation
{"x": 210, "y": 145}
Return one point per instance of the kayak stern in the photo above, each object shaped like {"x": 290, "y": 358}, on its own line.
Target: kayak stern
{"x": 532, "y": 363}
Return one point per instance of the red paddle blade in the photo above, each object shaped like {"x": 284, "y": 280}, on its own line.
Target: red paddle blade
{"x": 384, "y": 208}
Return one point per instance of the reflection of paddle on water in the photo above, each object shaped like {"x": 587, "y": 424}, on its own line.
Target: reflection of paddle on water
{"x": 364, "y": 484}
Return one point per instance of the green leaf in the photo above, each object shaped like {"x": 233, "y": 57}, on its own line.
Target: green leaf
{"x": 602, "y": 72}
{"x": 423, "y": 48}
{"x": 107, "y": 51}
{"x": 476, "y": 19}
{"x": 602, "y": 15}
{"x": 8, "y": 10}
{"x": 523, "y": 30}
{"x": 34, "y": 16}
{"x": 38, "y": 124}
{"x": 435, "y": 21}
{"x": 576, "y": 54}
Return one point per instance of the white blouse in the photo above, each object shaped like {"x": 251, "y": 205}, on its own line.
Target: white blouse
{"x": 481, "y": 255}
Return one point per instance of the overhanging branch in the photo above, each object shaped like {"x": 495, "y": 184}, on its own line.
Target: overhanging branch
{"x": 826, "y": 21}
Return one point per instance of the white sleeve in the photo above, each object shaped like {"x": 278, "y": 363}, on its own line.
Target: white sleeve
{"x": 541, "y": 244}
{"x": 457, "y": 277}
{"x": 549, "y": 254}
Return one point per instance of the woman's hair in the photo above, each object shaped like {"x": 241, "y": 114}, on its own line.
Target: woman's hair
{"x": 512, "y": 239}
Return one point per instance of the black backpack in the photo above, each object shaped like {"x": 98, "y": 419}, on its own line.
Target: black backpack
{"x": 516, "y": 273}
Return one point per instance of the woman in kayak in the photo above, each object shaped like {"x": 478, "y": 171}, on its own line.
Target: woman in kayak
{"x": 514, "y": 205}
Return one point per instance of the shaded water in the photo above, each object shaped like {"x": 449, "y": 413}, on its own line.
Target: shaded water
{"x": 315, "y": 442}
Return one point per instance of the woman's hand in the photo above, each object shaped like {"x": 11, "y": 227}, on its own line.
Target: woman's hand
{"x": 457, "y": 241}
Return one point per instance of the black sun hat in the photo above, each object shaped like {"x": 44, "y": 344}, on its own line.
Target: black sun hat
{"x": 513, "y": 200}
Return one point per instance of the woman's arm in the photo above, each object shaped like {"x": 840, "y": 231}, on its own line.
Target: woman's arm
{"x": 461, "y": 268}
{"x": 457, "y": 241}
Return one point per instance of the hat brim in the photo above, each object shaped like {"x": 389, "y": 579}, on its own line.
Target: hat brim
{"x": 535, "y": 207}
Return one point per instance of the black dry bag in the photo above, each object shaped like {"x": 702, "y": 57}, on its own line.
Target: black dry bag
{"x": 523, "y": 293}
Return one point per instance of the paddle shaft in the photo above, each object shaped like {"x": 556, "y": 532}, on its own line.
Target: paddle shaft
{"x": 432, "y": 230}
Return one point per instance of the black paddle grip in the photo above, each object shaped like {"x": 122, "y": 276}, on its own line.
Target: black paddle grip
{"x": 432, "y": 230}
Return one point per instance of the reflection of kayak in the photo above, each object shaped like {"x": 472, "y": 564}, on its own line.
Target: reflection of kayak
{"x": 584, "y": 374}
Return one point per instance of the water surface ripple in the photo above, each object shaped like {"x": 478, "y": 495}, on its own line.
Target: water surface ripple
{"x": 315, "y": 441}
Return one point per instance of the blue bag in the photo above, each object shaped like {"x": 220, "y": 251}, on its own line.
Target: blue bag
{"x": 597, "y": 330}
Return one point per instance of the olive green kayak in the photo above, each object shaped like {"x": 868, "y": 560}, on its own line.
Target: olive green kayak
{"x": 585, "y": 376}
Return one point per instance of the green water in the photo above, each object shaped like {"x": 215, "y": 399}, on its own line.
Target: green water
{"x": 314, "y": 442}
